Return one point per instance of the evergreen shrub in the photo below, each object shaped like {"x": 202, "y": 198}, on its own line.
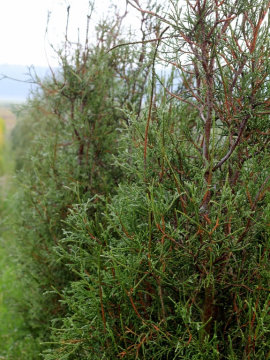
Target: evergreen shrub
{"x": 159, "y": 249}
{"x": 66, "y": 136}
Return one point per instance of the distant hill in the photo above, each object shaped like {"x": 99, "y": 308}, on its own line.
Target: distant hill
{"x": 15, "y": 83}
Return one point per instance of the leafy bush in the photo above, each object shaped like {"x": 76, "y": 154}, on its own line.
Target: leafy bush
{"x": 145, "y": 218}
{"x": 144, "y": 278}
{"x": 64, "y": 142}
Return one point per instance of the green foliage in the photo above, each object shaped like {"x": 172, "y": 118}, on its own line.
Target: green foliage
{"x": 64, "y": 142}
{"x": 63, "y": 157}
{"x": 144, "y": 206}
{"x": 141, "y": 281}
{"x": 16, "y": 341}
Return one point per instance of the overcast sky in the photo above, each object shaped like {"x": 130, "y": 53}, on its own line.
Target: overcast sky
{"x": 23, "y": 27}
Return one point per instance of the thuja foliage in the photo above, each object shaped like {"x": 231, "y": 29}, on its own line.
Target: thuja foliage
{"x": 64, "y": 142}
{"x": 154, "y": 239}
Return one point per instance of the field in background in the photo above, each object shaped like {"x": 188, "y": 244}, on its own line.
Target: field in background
{"x": 7, "y": 115}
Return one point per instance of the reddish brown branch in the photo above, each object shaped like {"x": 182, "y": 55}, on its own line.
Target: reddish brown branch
{"x": 233, "y": 147}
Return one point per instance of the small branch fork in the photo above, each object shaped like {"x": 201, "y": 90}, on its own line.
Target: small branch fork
{"x": 233, "y": 147}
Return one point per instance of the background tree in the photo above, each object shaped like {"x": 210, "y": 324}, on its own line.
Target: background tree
{"x": 64, "y": 143}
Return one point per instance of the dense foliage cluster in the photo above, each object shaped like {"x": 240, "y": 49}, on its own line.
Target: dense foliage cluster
{"x": 143, "y": 209}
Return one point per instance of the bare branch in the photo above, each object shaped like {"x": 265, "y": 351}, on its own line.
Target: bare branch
{"x": 138, "y": 42}
{"x": 150, "y": 13}
{"x": 229, "y": 153}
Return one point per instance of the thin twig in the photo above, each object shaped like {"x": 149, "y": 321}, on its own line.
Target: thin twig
{"x": 229, "y": 153}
